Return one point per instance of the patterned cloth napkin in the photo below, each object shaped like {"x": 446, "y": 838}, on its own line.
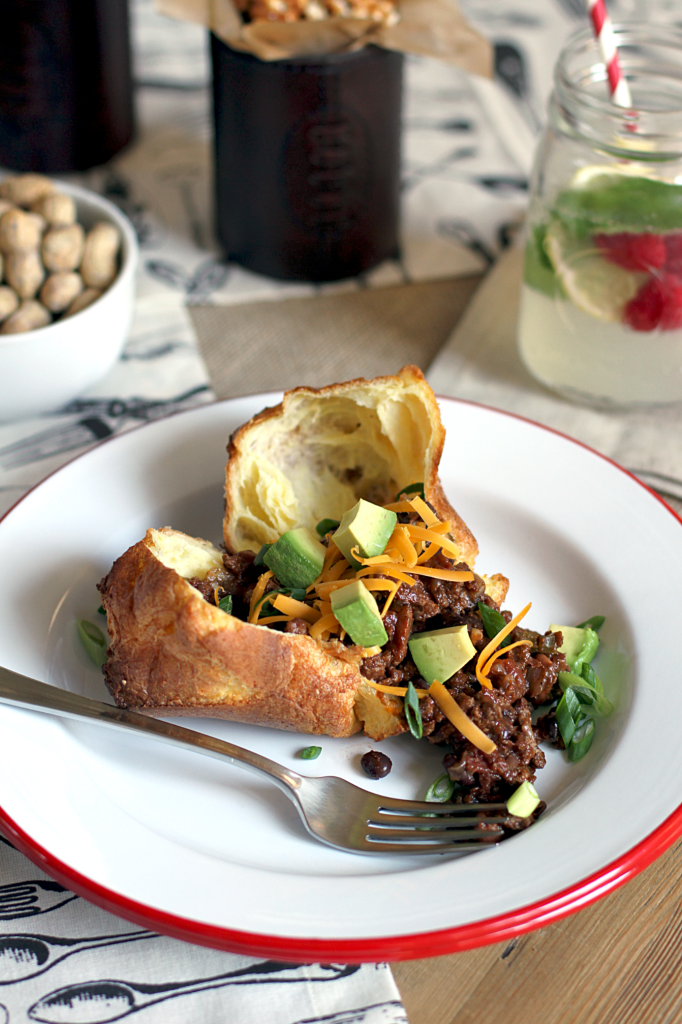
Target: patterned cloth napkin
{"x": 467, "y": 152}
{"x": 65, "y": 961}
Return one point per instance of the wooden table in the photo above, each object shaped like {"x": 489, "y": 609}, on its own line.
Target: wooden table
{"x": 617, "y": 961}
{"x": 620, "y": 959}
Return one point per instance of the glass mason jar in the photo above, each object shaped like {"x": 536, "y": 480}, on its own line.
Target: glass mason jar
{"x": 601, "y": 307}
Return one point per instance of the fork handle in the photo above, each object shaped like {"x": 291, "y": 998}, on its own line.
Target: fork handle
{"x": 23, "y": 692}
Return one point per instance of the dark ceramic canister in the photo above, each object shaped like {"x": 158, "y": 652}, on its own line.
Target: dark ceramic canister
{"x": 66, "y": 101}
{"x": 307, "y": 161}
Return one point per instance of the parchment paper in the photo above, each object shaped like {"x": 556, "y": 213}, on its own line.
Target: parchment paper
{"x": 429, "y": 28}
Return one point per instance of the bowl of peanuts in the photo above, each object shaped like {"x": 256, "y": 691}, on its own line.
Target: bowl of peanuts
{"x": 67, "y": 285}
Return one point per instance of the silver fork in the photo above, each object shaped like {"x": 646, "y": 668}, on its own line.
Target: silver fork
{"x": 333, "y": 810}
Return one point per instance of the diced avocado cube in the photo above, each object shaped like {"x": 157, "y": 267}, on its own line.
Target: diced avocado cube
{"x": 523, "y": 800}
{"x": 439, "y": 653}
{"x": 357, "y": 611}
{"x": 367, "y": 527}
{"x": 296, "y": 558}
{"x": 579, "y": 646}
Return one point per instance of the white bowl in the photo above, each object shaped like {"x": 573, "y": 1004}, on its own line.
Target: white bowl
{"x": 44, "y": 369}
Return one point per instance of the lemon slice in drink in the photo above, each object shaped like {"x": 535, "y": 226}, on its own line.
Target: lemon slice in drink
{"x": 594, "y": 285}
{"x": 602, "y": 174}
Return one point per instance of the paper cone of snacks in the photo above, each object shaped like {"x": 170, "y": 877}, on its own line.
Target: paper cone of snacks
{"x": 279, "y": 29}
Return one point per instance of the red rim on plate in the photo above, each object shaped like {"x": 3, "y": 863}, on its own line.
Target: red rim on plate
{"x": 370, "y": 949}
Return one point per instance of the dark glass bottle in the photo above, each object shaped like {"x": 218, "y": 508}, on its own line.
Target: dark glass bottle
{"x": 308, "y": 161}
{"x": 65, "y": 83}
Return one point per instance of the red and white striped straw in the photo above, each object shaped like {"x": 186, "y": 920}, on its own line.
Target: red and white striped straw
{"x": 618, "y": 87}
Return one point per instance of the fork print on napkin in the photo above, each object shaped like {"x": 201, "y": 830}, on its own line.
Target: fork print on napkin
{"x": 26, "y": 899}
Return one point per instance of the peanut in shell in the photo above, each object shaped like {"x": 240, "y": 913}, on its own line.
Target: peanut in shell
{"x": 25, "y": 189}
{"x": 82, "y": 301}
{"x": 28, "y": 317}
{"x": 62, "y": 248}
{"x": 24, "y": 272}
{"x": 20, "y": 231}
{"x": 99, "y": 265}
{"x": 9, "y": 301}
{"x": 59, "y": 290}
{"x": 58, "y": 209}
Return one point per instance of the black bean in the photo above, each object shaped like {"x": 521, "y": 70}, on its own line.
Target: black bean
{"x": 375, "y": 764}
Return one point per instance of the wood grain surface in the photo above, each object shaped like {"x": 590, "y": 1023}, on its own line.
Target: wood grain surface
{"x": 618, "y": 961}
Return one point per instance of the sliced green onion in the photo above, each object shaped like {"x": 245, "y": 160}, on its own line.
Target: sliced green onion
{"x": 586, "y": 691}
{"x": 567, "y": 713}
{"x": 225, "y": 604}
{"x": 413, "y": 712}
{"x": 258, "y": 560}
{"x": 325, "y": 525}
{"x": 440, "y": 791}
{"x": 602, "y": 706}
{"x": 493, "y": 622}
{"x": 582, "y": 740}
{"x": 585, "y": 694}
{"x": 523, "y": 800}
{"x": 93, "y": 641}
{"x": 591, "y": 678}
{"x": 412, "y": 489}
{"x": 595, "y": 623}
{"x": 310, "y": 753}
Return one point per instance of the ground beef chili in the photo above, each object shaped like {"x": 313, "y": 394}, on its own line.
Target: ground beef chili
{"x": 524, "y": 679}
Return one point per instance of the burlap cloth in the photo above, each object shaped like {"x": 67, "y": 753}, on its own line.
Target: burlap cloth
{"x": 267, "y": 346}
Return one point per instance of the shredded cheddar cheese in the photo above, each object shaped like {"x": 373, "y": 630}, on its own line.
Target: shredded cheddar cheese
{"x": 258, "y": 592}
{"x": 326, "y": 624}
{"x": 401, "y": 539}
{"x": 380, "y": 584}
{"x": 389, "y": 599}
{"x": 428, "y": 552}
{"x": 484, "y": 656}
{"x": 395, "y": 691}
{"x": 374, "y": 560}
{"x": 503, "y": 653}
{"x": 332, "y": 556}
{"x": 453, "y": 712}
{"x": 325, "y": 589}
{"x": 453, "y": 575}
{"x": 295, "y": 609}
{"x": 396, "y": 571}
{"x": 422, "y": 509}
{"x": 431, "y": 537}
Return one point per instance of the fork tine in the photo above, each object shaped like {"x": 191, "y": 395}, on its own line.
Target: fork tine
{"x": 424, "y": 807}
{"x": 407, "y": 821}
{"x": 456, "y": 836}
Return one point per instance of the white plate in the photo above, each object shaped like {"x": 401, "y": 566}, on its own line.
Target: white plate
{"x": 207, "y": 852}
